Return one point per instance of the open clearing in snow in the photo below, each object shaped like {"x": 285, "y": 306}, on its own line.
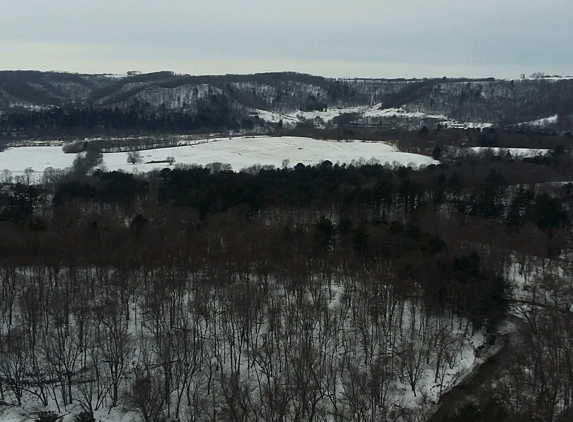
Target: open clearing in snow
{"x": 239, "y": 152}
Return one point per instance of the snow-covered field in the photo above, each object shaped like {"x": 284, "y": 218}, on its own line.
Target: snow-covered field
{"x": 240, "y": 152}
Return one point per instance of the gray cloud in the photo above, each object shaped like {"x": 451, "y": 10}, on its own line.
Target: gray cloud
{"x": 364, "y": 37}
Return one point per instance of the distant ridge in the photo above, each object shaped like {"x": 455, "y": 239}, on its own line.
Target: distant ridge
{"x": 295, "y": 98}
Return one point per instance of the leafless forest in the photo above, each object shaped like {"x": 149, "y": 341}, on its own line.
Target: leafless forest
{"x": 326, "y": 293}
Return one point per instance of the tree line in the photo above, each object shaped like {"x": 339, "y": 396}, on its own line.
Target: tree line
{"x": 213, "y": 114}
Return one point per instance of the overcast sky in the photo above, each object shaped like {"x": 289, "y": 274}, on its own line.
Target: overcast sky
{"x": 337, "y": 38}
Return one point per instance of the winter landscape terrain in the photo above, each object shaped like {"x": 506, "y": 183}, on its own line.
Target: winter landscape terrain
{"x": 267, "y": 101}
{"x": 240, "y": 153}
{"x": 285, "y": 247}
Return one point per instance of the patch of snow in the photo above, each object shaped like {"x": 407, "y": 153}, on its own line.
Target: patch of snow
{"x": 13, "y": 414}
{"x": 365, "y": 112}
{"x": 378, "y": 111}
{"x": 453, "y": 124}
{"x": 269, "y": 116}
{"x": 17, "y": 160}
{"x": 326, "y": 116}
{"x": 515, "y": 152}
{"x": 546, "y": 121}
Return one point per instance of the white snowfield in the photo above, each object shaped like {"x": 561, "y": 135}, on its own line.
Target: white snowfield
{"x": 240, "y": 153}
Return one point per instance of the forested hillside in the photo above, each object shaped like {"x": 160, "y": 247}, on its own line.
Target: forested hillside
{"x": 317, "y": 293}
{"x": 40, "y": 103}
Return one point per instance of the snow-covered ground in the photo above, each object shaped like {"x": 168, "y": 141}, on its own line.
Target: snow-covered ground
{"x": 369, "y": 113}
{"x": 375, "y": 111}
{"x": 379, "y": 111}
{"x": 515, "y": 152}
{"x": 412, "y": 333}
{"x": 541, "y": 123}
{"x": 240, "y": 152}
{"x": 454, "y": 124}
{"x": 328, "y": 115}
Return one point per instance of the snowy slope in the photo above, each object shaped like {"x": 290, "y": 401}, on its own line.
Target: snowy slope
{"x": 368, "y": 115}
